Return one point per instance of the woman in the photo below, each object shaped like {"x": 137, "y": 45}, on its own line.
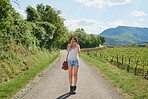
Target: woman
{"x": 73, "y": 60}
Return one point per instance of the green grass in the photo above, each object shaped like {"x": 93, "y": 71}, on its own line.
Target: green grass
{"x": 129, "y": 85}
{"x": 9, "y": 89}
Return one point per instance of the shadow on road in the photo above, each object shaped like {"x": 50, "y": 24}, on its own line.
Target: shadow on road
{"x": 64, "y": 96}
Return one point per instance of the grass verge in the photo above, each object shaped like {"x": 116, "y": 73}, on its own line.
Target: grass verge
{"x": 127, "y": 84}
{"x": 9, "y": 89}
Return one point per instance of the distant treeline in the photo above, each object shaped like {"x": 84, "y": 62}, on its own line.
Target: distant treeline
{"x": 143, "y": 44}
{"x": 43, "y": 27}
{"x": 86, "y": 40}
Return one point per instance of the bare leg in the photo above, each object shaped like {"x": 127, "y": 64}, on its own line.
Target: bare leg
{"x": 70, "y": 68}
{"x": 75, "y": 74}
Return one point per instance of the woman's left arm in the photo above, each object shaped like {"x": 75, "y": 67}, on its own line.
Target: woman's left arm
{"x": 78, "y": 48}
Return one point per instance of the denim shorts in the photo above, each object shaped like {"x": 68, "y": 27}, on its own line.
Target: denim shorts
{"x": 73, "y": 62}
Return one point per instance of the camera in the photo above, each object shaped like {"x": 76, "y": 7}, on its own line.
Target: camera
{"x": 74, "y": 40}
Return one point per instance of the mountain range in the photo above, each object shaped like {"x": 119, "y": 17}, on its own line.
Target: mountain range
{"x": 124, "y": 35}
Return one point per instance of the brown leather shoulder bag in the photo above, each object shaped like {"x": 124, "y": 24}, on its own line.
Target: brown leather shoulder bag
{"x": 65, "y": 64}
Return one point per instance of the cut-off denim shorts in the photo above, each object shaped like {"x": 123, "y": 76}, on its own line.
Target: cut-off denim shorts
{"x": 73, "y": 62}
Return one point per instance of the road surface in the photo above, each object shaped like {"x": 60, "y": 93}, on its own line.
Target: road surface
{"x": 55, "y": 84}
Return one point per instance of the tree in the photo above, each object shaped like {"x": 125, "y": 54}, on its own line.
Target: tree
{"x": 32, "y": 14}
{"x": 80, "y": 30}
{"x": 98, "y": 40}
{"x": 87, "y": 40}
{"x": 123, "y": 45}
{"x": 47, "y": 13}
{"x": 130, "y": 45}
{"x": 94, "y": 40}
{"x": 136, "y": 46}
{"x": 102, "y": 39}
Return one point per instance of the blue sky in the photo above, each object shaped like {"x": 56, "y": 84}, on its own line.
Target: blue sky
{"x": 95, "y": 15}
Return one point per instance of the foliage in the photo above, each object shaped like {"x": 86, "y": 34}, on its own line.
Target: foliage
{"x": 87, "y": 40}
{"x": 44, "y": 29}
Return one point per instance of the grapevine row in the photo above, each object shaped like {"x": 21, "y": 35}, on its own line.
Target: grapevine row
{"x": 130, "y": 58}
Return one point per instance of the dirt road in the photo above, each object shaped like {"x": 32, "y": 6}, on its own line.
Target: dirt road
{"x": 55, "y": 84}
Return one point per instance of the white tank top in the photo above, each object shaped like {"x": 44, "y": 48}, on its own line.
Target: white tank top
{"x": 73, "y": 54}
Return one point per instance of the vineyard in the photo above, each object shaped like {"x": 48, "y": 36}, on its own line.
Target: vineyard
{"x": 133, "y": 59}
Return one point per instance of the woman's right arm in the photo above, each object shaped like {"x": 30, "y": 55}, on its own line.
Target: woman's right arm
{"x": 68, "y": 47}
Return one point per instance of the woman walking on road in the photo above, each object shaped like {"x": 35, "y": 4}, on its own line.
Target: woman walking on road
{"x": 73, "y": 61}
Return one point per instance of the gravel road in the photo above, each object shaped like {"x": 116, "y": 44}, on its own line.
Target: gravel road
{"x": 55, "y": 84}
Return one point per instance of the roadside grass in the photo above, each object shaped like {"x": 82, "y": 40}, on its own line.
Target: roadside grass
{"x": 127, "y": 84}
{"x": 9, "y": 89}
{"x": 19, "y": 59}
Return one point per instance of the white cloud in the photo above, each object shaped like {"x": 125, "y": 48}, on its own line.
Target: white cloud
{"x": 81, "y": 1}
{"x": 118, "y": 2}
{"x": 100, "y": 3}
{"x": 22, "y": 12}
{"x": 136, "y": 23}
{"x": 90, "y": 26}
{"x": 137, "y": 13}
{"x": 141, "y": 20}
{"x": 116, "y": 23}
{"x": 93, "y": 3}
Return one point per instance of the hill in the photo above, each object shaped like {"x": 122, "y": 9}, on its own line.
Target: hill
{"x": 124, "y": 35}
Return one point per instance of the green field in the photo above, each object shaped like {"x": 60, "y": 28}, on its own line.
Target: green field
{"x": 128, "y": 85}
{"x": 133, "y": 59}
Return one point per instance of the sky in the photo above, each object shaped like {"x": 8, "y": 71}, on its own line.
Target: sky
{"x": 94, "y": 16}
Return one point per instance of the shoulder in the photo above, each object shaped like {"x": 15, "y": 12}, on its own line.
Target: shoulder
{"x": 68, "y": 45}
{"x": 78, "y": 45}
